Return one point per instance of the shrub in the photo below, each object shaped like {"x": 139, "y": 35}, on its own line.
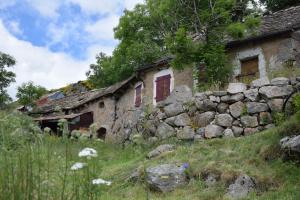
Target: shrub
{"x": 296, "y": 103}
{"x": 17, "y": 130}
{"x": 278, "y": 118}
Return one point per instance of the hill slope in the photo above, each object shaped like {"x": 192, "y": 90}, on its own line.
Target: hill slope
{"x": 39, "y": 167}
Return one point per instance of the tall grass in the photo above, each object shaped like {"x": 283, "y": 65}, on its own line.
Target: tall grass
{"x": 35, "y": 166}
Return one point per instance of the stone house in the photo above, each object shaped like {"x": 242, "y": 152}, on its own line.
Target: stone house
{"x": 276, "y": 45}
{"x": 116, "y": 108}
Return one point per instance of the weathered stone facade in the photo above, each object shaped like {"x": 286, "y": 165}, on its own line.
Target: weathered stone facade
{"x": 275, "y": 45}
{"x": 199, "y": 117}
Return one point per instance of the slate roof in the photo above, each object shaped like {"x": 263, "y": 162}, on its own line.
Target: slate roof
{"x": 76, "y": 100}
{"x": 277, "y": 23}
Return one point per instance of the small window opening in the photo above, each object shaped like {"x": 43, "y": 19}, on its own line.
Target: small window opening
{"x": 101, "y": 104}
{"x": 138, "y": 95}
{"x": 101, "y": 133}
{"x": 249, "y": 69}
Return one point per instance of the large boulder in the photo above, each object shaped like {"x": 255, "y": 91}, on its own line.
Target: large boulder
{"x": 200, "y": 96}
{"x": 250, "y": 131}
{"x": 232, "y": 98}
{"x": 276, "y": 105}
{"x": 291, "y": 144}
{"x": 237, "y": 109}
{"x": 206, "y": 105}
{"x": 280, "y": 81}
{"x": 228, "y": 133}
{"x": 160, "y": 149}
{"x": 166, "y": 177}
{"x": 187, "y": 133}
{"x": 260, "y": 82}
{"x": 151, "y": 125}
{"x": 222, "y": 108}
{"x": 182, "y": 120}
{"x": 180, "y": 94}
{"x": 224, "y": 120}
{"x": 213, "y": 131}
{"x": 265, "y": 118}
{"x": 237, "y": 131}
{"x": 242, "y": 186}
{"x": 251, "y": 94}
{"x": 165, "y": 131}
{"x": 253, "y": 107}
{"x": 204, "y": 119}
{"x": 173, "y": 109}
{"x": 249, "y": 121}
{"x": 272, "y": 92}
{"x": 235, "y": 88}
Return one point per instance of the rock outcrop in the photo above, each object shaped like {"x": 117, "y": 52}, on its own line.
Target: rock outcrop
{"x": 166, "y": 177}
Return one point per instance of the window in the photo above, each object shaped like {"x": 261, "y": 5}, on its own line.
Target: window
{"x": 138, "y": 95}
{"x": 249, "y": 69}
{"x": 101, "y": 104}
{"x": 163, "y": 87}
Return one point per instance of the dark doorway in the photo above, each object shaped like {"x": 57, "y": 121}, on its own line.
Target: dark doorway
{"x": 101, "y": 133}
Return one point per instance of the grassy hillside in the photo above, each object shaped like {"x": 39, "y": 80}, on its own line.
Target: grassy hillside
{"x": 38, "y": 167}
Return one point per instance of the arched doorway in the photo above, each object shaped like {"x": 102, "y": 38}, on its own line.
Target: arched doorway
{"x": 101, "y": 133}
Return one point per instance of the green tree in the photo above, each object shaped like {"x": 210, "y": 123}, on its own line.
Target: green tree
{"x": 275, "y": 5}
{"x": 164, "y": 27}
{"x": 6, "y": 77}
{"x": 28, "y": 93}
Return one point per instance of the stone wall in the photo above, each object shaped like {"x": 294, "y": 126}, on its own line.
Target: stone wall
{"x": 241, "y": 110}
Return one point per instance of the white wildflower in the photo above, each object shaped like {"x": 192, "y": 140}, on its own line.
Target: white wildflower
{"x": 78, "y": 165}
{"x": 100, "y": 181}
{"x": 88, "y": 152}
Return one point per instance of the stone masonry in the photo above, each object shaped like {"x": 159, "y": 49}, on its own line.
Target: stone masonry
{"x": 241, "y": 110}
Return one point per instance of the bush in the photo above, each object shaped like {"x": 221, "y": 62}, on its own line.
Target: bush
{"x": 17, "y": 130}
{"x": 296, "y": 103}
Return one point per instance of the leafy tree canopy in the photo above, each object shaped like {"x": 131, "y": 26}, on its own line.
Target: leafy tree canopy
{"x": 163, "y": 27}
{"x": 6, "y": 77}
{"x": 275, "y": 5}
{"x": 28, "y": 93}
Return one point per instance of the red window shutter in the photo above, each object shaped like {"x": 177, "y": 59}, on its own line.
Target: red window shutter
{"x": 138, "y": 96}
{"x": 163, "y": 87}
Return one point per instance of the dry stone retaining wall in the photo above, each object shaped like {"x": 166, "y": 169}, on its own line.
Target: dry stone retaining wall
{"x": 241, "y": 110}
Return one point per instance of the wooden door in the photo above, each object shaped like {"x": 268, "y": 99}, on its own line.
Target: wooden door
{"x": 163, "y": 84}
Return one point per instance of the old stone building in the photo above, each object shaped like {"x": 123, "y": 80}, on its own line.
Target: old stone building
{"x": 115, "y": 109}
{"x": 275, "y": 46}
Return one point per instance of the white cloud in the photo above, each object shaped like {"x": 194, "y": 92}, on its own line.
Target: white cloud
{"x": 46, "y": 8}
{"x": 97, "y": 6}
{"x": 14, "y": 27}
{"x": 103, "y": 28}
{"x": 40, "y": 65}
{"x": 130, "y": 4}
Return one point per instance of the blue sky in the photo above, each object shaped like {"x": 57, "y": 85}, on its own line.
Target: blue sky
{"x": 54, "y": 41}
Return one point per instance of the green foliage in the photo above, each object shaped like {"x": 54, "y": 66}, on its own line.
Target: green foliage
{"x": 275, "y": 5}
{"x": 163, "y": 27}
{"x": 296, "y": 102}
{"x": 6, "y": 78}
{"x": 236, "y": 30}
{"x": 28, "y": 93}
{"x": 278, "y": 118}
{"x": 17, "y": 131}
